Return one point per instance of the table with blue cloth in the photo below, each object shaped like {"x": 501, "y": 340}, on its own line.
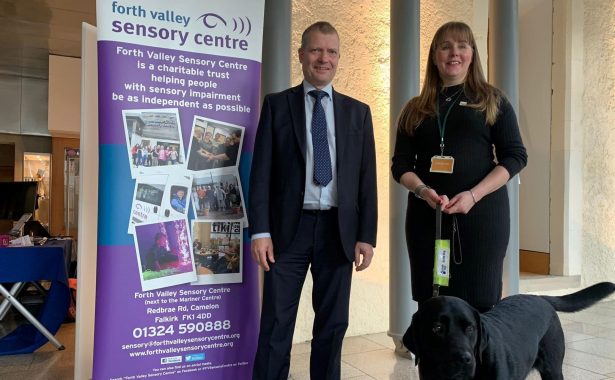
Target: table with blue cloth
{"x": 32, "y": 264}
{"x": 67, "y": 245}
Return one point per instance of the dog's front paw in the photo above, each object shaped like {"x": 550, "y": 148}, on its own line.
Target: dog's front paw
{"x": 401, "y": 350}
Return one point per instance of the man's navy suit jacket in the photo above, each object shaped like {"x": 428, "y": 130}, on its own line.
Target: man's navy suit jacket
{"x": 277, "y": 179}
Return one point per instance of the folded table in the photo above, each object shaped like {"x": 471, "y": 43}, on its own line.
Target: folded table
{"x": 24, "y": 264}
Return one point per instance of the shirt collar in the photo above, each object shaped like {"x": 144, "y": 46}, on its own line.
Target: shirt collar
{"x": 307, "y": 87}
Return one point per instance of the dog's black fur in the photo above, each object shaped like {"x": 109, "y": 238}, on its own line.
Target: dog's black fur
{"x": 452, "y": 340}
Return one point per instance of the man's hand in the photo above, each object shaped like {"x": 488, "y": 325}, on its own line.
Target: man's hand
{"x": 262, "y": 252}
{"x": 367, "y": 251}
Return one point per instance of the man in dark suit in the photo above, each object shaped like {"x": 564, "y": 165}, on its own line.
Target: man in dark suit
{"x": 313, "y": 203}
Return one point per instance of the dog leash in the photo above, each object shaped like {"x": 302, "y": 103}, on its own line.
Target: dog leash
{"x": 441, "y": 272}
{"x": 456, "y": 237}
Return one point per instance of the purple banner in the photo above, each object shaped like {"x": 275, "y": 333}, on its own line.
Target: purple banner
{"x": 177, "y": 292}
{"x": 136, "y": 331}
{"x": 162, "y": 84}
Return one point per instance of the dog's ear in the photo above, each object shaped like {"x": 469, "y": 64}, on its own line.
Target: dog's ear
{"x": 482, "y": 339}
{"x": 411, "y": 338}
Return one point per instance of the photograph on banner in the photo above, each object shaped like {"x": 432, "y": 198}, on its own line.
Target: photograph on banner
{"x": 217, "y": 195}
{"x": 176, "y": 199}
{"x": 164, "y": 253}
{"x": 147, "y": 200}
{"x": 214, "y": 144}
{"x": 217, "y": 251}
{"x": 154, "y": 141}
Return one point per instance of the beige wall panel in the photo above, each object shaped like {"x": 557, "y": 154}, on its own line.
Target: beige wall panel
{"x": 64, "y": 96}
{"x": 599, "y": 141}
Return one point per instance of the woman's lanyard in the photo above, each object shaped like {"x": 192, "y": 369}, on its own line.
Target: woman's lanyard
{"x": 442, "y": 163}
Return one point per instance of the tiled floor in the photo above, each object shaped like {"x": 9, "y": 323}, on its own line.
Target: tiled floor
{"x": 47, "y": 363}
{"x": 590, "y": 354}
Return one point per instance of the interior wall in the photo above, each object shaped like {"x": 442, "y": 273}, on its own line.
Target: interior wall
{"x": 34, "y": 102}
{"x": 598, "y": 102}
{"x": 534, "y": 116}
{"x": 23, "y": 105}
{"x": 64, "y": 96}
{"x": 567, "y": 151}
{"x": 10, "y": 104}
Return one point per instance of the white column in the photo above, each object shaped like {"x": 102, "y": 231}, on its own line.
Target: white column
{"x": 405, "y": 51}
{"x": 275, "y": 74}
{"x": 504, "y": 74}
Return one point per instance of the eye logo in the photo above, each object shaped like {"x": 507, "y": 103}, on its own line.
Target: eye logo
{"x": 218, "y": 31}
{"x": 241, "y": 25}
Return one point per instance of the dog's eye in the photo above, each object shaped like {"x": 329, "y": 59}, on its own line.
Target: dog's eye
{"x": 469, "y": 329}
{"x": 437, "y": 328}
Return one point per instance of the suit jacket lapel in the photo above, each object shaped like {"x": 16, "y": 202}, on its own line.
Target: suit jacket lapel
{"x": 340, "y": 127}
{"x": 296, "y": 104}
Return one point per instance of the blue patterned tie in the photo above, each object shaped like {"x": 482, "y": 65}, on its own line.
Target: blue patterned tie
{"x": 322, "y": 158}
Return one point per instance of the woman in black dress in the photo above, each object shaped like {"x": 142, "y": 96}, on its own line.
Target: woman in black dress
{"x": 458, "y": 143}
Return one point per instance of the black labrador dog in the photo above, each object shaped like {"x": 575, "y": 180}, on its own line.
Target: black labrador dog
{"x": 452, "y": 340}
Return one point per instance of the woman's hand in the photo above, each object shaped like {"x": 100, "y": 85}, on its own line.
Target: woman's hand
{"x": 432, "y": 198}
{"x": 461, "y": 203}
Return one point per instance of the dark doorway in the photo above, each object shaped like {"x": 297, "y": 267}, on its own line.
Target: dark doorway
{"x": 7, "y": 162}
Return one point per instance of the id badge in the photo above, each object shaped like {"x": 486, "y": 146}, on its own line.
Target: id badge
{"x": 441, "y": 265}
{"x": 442, "y": 164}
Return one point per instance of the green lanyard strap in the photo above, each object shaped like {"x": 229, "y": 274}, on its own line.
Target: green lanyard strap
{"x": 442, "y": 125}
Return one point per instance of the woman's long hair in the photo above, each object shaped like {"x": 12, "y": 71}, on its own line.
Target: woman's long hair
{"x": 484, "y": 97}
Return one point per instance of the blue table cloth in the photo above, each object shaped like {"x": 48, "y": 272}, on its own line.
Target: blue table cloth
{"x": 21, "y": 264}
{"x": 66, "y": 245}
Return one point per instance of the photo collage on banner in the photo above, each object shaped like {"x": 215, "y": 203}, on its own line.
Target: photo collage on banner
{"x": 216, "y": 251}
{"x": 157, "y": 161}
{"x": 177, "y": 296}
{"x": 164, "y": 254}
{"x": 154, "y": 141}
{"x": 216, "y": 188}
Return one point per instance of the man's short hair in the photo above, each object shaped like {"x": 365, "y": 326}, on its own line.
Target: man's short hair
{"x": 323, "y": 27}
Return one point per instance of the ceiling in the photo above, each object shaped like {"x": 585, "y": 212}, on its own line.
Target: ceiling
{"x": 31, "y": 30}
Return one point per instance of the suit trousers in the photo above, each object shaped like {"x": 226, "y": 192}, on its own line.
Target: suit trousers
{"x": 316, "y": 246}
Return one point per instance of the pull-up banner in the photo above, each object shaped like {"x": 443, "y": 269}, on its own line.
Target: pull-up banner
{"x": 177, "y": 296}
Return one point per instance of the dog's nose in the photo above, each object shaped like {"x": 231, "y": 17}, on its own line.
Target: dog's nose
{"x": 466, "y": 357}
